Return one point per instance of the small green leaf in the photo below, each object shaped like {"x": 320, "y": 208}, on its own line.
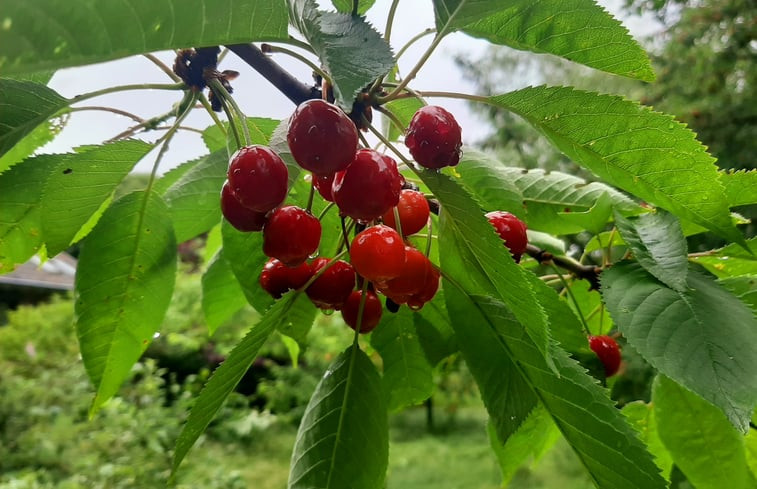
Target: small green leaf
{"x": 79, "y": 185}
{"x": 578, "y": 30}
{"x": 435, "y": 333}
{"x": 227, "y": 376}
{"x": 744, "y": 287}
{"x": 535, "y": 437}
{"x": 476, "y": 238}
{"x": 404, "y": 109}
{"x": 345, "y": 6}
{"x": 194, "y": 200}
{"x": 343, "y": 437}
{"x": 642, "y": 416}
{"x": 115, "y": 29}
{"x": 594, "y": 219}
{"x": 451, "y": 15}
{"x": 21, "y": 218}
{"x": 657, "y": 242}
{"x": 700, "y": 439}
{"x": 25, "y": 104}
{"x": 589, "y": 420}
{"x": 740, "y": 187}
{"x": 38, "y": 137}
{"x": 244, "y": 253}
{"x": 350, "y": 49}
{"x": 222, "y": 296}
{"x": 173, "y": 175}
{"x": 483, "y": 176}
{"x": 260, "y": 128}
{"x": 547, "y": 196}
{"x": 407, "y": 378}
{"x": 124, "y": 282}
{"x": 702, "y": 338}
{"x": 631, "y": 147}
{"x": 731, "y": 261}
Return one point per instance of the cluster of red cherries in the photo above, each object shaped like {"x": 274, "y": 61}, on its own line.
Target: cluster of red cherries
{"x": 367, "y": 187}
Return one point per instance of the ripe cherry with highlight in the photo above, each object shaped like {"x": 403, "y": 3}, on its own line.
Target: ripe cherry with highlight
{"x": 434, "y": 137}
{"x": 239, "y": 216}
{"x": 258, "y": 178}
{"x": 371, "y": 311}
{"x": 322, "y": 137}
{"x": 291, "y": 234}
{"x": 331, "y": 289}
{"x": 277, "y": 278}
{"x": 369, "y": 187}
{"x": 378, "y": 253}
{"x": 413, "y": 210}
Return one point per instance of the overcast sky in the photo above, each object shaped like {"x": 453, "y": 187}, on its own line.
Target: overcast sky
{"x": 258, "y": 97}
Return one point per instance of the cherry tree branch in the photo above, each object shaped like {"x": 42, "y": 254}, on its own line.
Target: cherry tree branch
{"x": 587, "y": 272}
{"x": 294, "y": 89}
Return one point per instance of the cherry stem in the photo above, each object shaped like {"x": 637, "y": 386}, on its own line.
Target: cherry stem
{"x": 457, "y": 95}
{"x": 113, "y": 110}
{"x": 163, "y": 67}
{"x": 429, "y": 236}
{"x": 360, "y": 308}
{"x": 223, "y": 94}
{"x": 345, "y": 235}
{"x": 268, "y": 48}
{"x": 413, "y": 40}
{"x": 392, "y": 117}
{"x": 413, "y": 72}
{"x": 204, "y": 102}
{"x": 232, "y": 124}
{"x": 566, "y": 287}
{"x": 325, "y": 210}
{"x": 320, "y": 272}
{"x": 312, "y": 193}
{"x": 165, "y": 139}
{"x": 124, "y": 88}
{"x": 390, "y": 21}
{"x": 397, "y": 222}
{"x": 145, "y": 124}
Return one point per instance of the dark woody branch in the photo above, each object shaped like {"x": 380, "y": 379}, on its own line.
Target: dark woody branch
{"x": 587, "y": 272}
{"x": 294, "y": 89}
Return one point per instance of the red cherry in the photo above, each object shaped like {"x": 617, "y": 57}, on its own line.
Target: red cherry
{"x": 258, "y": 177}
{"x": 434, "y": 138}
{"x": 371, "y": 311}
{"x": 413, "y": 211}
{"x": 512, "y": 231}
{"x": 276, "y": 278}
{"x": 331, "y": 289}
{"x": 369, "y": 187}
{"x": 239, "y": 216}
{"x": 323, "y": 185}
{"x": 378, "y": 253}
{"x": 608, "y": 352}
{"x": 321, "y": 137}
{"x": 428, "y": 291}
{"x": 410, "y": 281}
{"x": 291, "y": 234}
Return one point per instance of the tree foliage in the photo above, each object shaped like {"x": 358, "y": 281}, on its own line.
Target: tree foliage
{"x": 521, "y": 327}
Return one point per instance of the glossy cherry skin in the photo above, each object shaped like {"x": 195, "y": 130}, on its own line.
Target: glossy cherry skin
{"x": 291, "y": 234}
{"x": 428, "y": 291}
{"x": 321, "y": 137}
{"x": 258, "y": 177}
{"x": 371, "y": 311}
{"x": 413, "y": 210}
{"x": 378, "y": 253}
{"x": 277, "y": 278}
{"x": 512, "y": 231}
{"x": 369, "y": 187}
{"x": 331, "y": 289}
{"x": 323, "y": 185}
{"x": 434, "y": 137}
{"x": 608, "y": 352}
{"x": 410, "y": 281}
{"x": 239, "y": 216}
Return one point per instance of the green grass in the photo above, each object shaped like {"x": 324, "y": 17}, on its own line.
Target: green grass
{"x": 456, "y": 455}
